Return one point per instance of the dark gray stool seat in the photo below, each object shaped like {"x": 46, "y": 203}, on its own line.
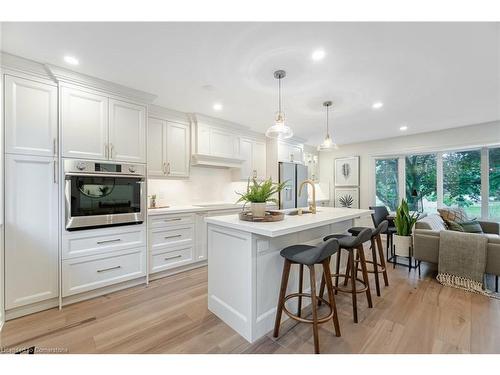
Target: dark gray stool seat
{"x": 356, "y": 230}
{"x": 307, "y": 255}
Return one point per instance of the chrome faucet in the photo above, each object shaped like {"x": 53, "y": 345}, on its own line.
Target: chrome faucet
{"x": 312, "y": 206}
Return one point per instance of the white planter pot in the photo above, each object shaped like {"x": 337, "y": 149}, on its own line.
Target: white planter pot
{"x": 402, "y": 245}
{"x": 258, "y": 209}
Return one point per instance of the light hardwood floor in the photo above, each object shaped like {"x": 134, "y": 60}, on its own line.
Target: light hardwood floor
{"x": 171, "y": 316}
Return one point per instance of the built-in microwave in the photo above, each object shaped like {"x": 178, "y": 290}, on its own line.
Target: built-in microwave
{"x": 103, "y": 194}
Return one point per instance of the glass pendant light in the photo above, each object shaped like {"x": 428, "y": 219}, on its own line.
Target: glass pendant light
{"x": 328, "y": 143}
{"x": 279, "y": 130}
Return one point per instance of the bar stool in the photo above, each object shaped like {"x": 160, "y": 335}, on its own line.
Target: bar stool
{"x": 379, "y": 265}
{"x": 309, "y": 256}
{"x": 352, "y": 244}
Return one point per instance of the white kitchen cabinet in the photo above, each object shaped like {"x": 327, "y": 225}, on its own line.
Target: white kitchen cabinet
{"x": 253, "y": 153}
{"x": 31, "y": 230}
{"x": 127, "y": 131}
{"x": 84, "y": 124}
{"x": 168, "y": 148}
{"x": 311, "y": 160}
{"x": 30, "y": 117}
{"x": 177, "y": 149}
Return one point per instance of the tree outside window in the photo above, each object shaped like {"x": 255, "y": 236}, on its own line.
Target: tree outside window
{"x": 494, "y": 190}
{"x": 386, "y": 181}
{"x": 421, "y": 180}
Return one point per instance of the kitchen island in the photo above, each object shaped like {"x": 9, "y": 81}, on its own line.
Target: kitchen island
{"x": 244, "y": 264}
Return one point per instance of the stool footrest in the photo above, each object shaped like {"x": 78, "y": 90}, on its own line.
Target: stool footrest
{"x": 380, "y": 269}
{"x": 323, "y": 319}
{"x": 364, "y": 288}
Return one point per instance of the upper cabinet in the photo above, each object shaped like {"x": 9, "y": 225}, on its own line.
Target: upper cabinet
{"x": 84, "y": 119}
{"x": 253, "y": 153}
{"x": 290, "y": 152}
{"x": 95, "y": 126}
{"x": 168, "y": 144}
{"x": 127, "y": 131}
{"x": 311, "y": 160}
{"x": 30, "y": 117}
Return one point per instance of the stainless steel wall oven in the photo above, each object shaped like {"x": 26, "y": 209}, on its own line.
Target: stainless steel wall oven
{"x": 103, "y": 194}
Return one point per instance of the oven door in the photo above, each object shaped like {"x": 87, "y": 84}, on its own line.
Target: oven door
{"x": 97, "y": 200}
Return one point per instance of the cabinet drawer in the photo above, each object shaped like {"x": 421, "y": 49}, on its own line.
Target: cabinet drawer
{"x": 161, "y": 221}
{"x": 88, "y": 273}
{"x": 172, "y": 258}
{"x": 167, "y": 237}
{"x": 92, "y": 243}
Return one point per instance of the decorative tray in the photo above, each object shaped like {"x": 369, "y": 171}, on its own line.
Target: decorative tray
{"x": 270, "y": 216}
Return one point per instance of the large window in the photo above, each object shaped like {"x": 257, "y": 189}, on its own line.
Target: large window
{"x": 386, "y": 181}
{"x": 494, "y": 190}
{"x": 462, "y": 181}
{"x": 421, "y": 193}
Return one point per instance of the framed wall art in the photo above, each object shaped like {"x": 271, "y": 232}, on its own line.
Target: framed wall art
{"x": 347, "y": 197}
{"x": 347, "y": 171}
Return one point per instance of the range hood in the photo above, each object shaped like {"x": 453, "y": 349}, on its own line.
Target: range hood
{"x": 216, "y": 161}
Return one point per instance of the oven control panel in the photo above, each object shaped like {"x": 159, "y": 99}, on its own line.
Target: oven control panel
{"x": 85, "y": 166}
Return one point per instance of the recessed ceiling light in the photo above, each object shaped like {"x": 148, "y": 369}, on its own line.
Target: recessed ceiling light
{"x": 71, "y": 60}
{"x": 377, "y": 105}
{"x": 318, "y": 54}
{"x": 217, "y": 107}
{"x": 403, "y": 128}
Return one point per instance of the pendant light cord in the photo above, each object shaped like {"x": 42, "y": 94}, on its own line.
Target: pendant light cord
{"x": 327, "y": 128}
{"x": 279, "y": 95}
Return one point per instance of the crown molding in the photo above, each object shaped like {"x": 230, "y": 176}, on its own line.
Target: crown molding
{"x": 168, "y": 114}
{"x": 65, "y": 75}
{"x": 22, "y": 65}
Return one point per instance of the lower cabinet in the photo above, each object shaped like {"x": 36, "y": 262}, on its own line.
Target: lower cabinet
{"x": 31, "y": 230}
{"x": 97, "y": 258}
{"x": 97, "y": 271}
{"x": 168, "y": 258}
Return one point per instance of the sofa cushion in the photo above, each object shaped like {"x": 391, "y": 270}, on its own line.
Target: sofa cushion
{"x": 456, "y": 214}
{"x": 432, "y": 222}
{"x": 471, "y": 226}
{"x": 453, "y": 225}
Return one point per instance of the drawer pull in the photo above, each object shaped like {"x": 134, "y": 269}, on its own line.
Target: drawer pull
{"x": 174, "y": 219}
{"x": 177, "y": 235}
{"x": 173, "y": 257}
{"x": 108, "y": 241}
{"x": 109, "y": 269}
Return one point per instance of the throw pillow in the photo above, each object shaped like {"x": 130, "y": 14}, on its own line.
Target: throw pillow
{"x": 456, "y": 214}
{"x": 472, "y": 226}
{"x": 453, "y": 225}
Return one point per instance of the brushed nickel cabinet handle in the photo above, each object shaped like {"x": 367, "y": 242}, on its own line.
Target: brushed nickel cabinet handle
{"x": 109, "y": 269}
{"x": 111, "y": 149}
{"x": 55, "y": 171}
{"x": 54, "y": 146}
{"x": 164, "y": 168}
{"x": 108, "y": 241}
{"x": 177, "y": 235}
{"x": 168, "y": 168}
{"x": 174, "y": 219}
{"x": 174, "y": 257}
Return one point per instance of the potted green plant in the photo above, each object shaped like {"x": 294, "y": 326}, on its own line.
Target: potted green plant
{"x": 259, "y": 193}
{"x": 404, "y": 222}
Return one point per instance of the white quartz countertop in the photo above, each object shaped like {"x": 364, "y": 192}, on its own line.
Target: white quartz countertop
{"x": 201, "y": 207}
{"x": 291, "y": 224}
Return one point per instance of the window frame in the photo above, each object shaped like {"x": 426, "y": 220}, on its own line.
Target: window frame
{"x": 484, "y": 152}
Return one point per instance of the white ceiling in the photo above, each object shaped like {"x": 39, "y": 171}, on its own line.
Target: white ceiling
{"x": 429, "y": 75}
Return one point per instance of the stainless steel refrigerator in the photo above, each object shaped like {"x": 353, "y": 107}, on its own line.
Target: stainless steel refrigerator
{"x": 294, "y": 174}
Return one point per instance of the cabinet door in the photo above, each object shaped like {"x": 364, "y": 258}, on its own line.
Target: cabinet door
{"x": 31, "y": 230}
{"x": 30, "y": 117}
{"x": 84, "y": 124}
{"x": 156, "y": 147}
{"x": 221, "y": 144}
{"x": 246, "y": 154}
{"x": 296, "y": 154}
{"x": 177, "y": 150}
{"x": 259, "y": 159}
{"x": 284, "y": 152}
{"x": 127, "y": 131}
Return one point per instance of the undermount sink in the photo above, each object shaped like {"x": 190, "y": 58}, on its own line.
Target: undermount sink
{"x": 296, "y": 212}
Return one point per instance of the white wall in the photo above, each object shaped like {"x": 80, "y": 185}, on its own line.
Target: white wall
{"x": 463, "y": 137}
{"x": 205, "y": 185}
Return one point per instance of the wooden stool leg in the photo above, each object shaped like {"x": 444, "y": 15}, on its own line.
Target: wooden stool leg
{"x": 496, "y": 280}
{"x": 375, "y": 266}
{"x": 353, "y": 286}
{"x": 337, "y": 270}
{"x": 365, "y": 275}
{"x": 314, "y": 305}
{"x": 348, "y": 268}
{"x": 331, "y": 297}
{"x": 323, "y": 281}
{"x": 301, "y": 278}
{"x": 382, "y": 260}
{"x": 281, "y": 298}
